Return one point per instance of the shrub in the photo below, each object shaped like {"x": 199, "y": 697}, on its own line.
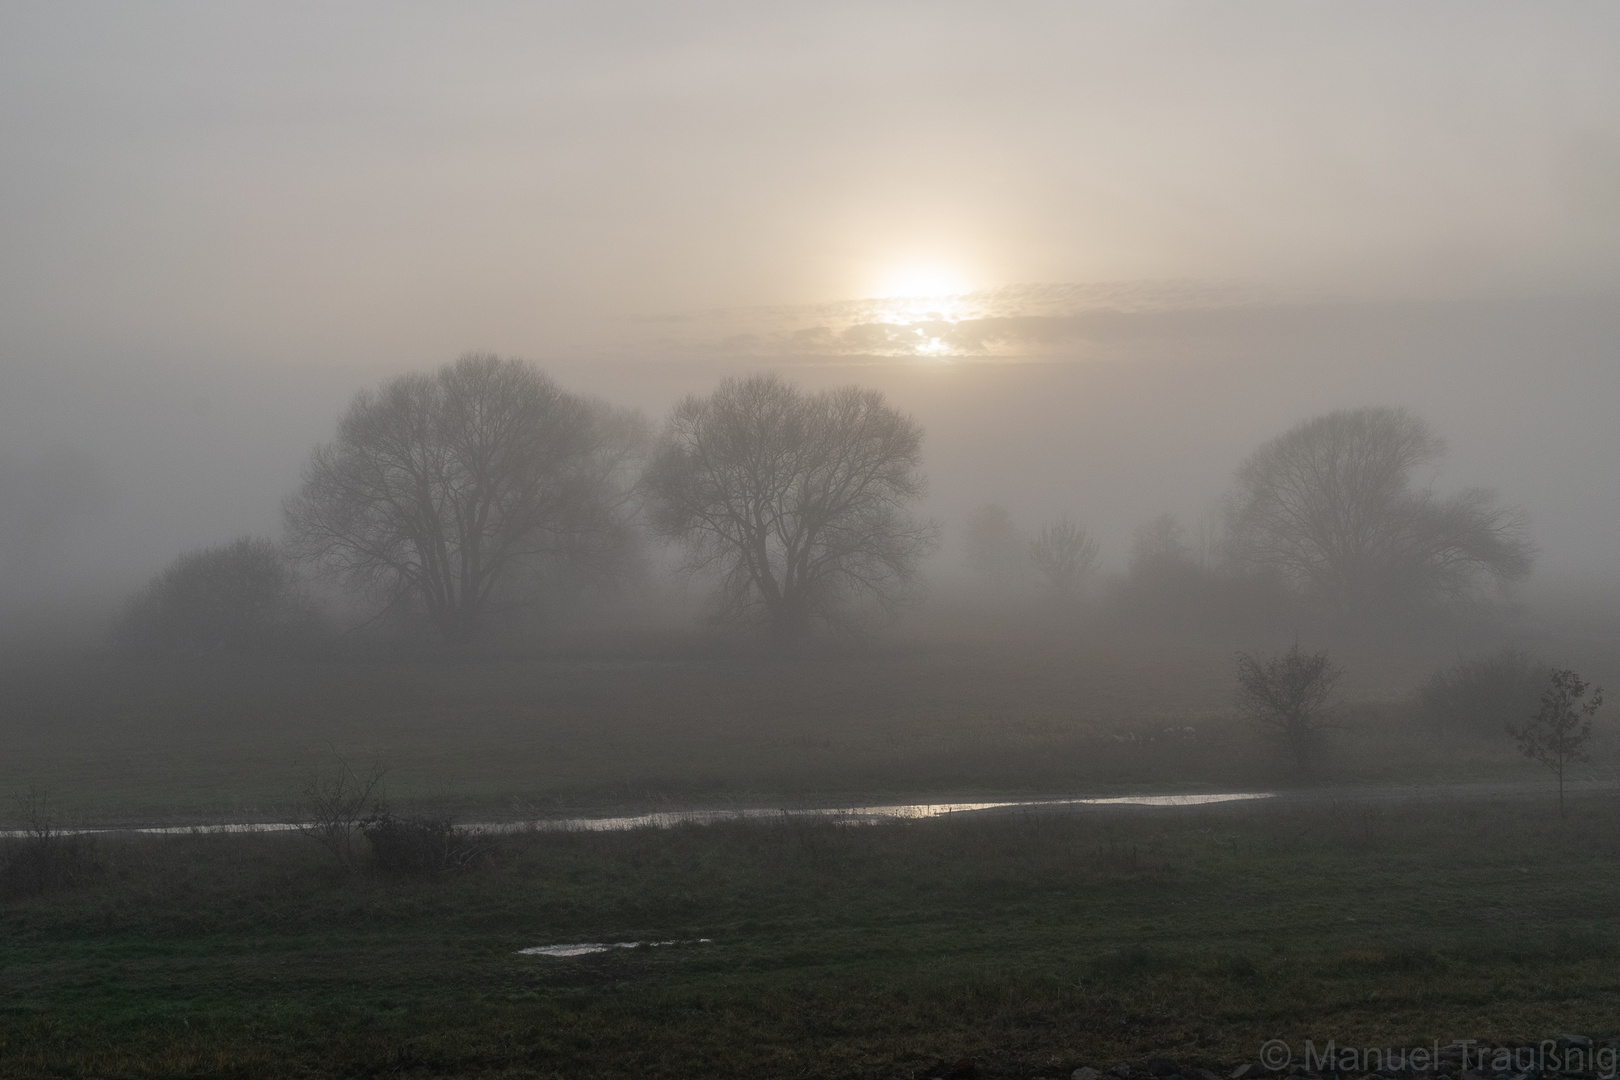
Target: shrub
{"x": 1485, "y": 695}
{"x": 41, "y": 857}
{"x": 1286, "y": 698}
{"x": 243, "y": 597}
{"x": 414, "y": 846}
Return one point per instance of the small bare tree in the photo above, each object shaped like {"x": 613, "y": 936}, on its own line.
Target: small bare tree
{"x": 1557, "y": 735}
{"x": 800, "y": 502}
{"x": 1286, "y": 697}
{"x": 335, "y": 807}
{"x": 1065, "y": 555}
{"x": 42, "y": 855}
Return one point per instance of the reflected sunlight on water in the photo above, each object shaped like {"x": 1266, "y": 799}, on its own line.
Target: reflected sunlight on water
{"x": 856, "y": 815}
{"x": 875, "y": 814}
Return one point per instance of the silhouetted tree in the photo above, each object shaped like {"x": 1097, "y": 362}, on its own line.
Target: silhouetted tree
{"x": 241, "y": 597}
{"x": 1065, "y": 555}
{"x": 994, "y": 546}
{"x": 1286, "y": 696}
{"x": 441, "y": 489}
{"x": 799, "y": 501}
{"x": 1557, "y": 735}
{"x": 1330, "y": 506}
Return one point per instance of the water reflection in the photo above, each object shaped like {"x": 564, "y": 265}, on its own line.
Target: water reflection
{"x": 855, "y": 815}
{"x": 588, "y": 948}
{"x": 876, "y": 814}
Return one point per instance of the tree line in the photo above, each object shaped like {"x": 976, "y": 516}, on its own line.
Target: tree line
{"x": 1330, "y": 513}
{"x": 449, "y": 498}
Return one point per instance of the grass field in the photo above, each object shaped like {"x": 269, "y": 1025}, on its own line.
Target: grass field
{"x": 1032, "y": 943}
{"x": 113, "y": 739}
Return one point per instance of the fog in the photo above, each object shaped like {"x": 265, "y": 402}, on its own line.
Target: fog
{"x": 1151, "y": 415}
{"x": 899, "y": 538}
{"x": 220, "y": 223}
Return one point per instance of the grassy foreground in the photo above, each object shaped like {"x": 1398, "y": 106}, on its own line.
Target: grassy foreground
{"x": 1032, "y": 943}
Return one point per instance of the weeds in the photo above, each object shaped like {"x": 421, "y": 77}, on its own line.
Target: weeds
{"x": 40, "y": 856}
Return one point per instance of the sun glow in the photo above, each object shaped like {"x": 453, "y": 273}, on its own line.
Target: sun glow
{"x": 923, "y": 280}
{"x": 918, "y": 305}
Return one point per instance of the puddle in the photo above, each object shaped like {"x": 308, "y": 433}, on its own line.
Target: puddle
{"x": 875, "y": 814}
{"x": 853, "y": 815}
{"x": 1175, "y": 800}
{"x": 171, "y": 830}
{"x": 588, "y": 948}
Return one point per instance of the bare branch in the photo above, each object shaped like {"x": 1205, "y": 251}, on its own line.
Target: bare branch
{"x": 1330, "y": 506}
{"x": 444, "y": 488}
{"x": 800, "y": 502}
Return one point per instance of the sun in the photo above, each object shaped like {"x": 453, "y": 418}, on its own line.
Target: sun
{"x": 923, "y": 279}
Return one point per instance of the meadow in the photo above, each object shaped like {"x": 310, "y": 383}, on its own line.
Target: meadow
{"x": 648, "y": 724}
{"x": 1032, "y": 943}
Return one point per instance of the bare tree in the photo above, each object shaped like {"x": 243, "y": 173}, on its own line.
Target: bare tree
{"x": 1285, "y": 697}
{"x": 1330, "y": 505}
{"x": 1065, "y": 555}
{"x": 336, "y": 807}
{"x": 994, "y": 547}
{"x": 238, "y": 598}
{"x": 799, "y": 501}
{"x": 1557, "y": 735}
{"x": 441, "y": 489}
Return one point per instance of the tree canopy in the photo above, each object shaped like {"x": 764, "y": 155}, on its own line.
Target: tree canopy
{"x": 1332, "y": 507}
{"x": 440, "y": 490}
{"x": 241, "y": 597}
{"x": 800, "y": 502}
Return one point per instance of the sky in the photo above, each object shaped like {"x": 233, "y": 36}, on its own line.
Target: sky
{"x": 1100, "y": 249}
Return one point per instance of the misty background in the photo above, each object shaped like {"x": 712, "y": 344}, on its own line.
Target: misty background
{"x": 219, "y": 222}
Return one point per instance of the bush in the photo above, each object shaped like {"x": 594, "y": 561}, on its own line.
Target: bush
{"x": 242, "y": 597}
{"x": 1483, "y": 696}
{"x": 40, "y": 857}
{"x": 413, "y": 846}
{"x": 335, "y": 806}
{"x": 1286, "y": 698}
